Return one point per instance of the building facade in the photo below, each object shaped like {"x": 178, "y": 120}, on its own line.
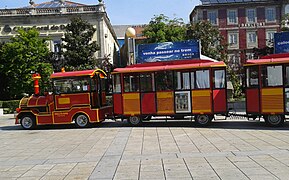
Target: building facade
{"x": 128, "y": 45}
{"x": 51, "y": 18}
{"x": 246, "y": 25}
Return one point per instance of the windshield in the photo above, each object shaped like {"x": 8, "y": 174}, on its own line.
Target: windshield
{"x": 71, "y": 85}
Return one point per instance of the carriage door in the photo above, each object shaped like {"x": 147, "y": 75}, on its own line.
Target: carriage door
{"x": 252, "y": 90}
{"x": 95, "y": 101}
{"x": 182, "y": 93}
{"x": 272, "y": 96}
{"x": 219, "y": 91}
{"x": 148, "y": 94}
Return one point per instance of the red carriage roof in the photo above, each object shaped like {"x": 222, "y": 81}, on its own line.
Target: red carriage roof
{"x": 173, "y": 66}
{"x": 269, "y": 59}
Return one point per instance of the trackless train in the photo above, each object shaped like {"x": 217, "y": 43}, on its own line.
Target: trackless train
{"x": 175, "y": 89}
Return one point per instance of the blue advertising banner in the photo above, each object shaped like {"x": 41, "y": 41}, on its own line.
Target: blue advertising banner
{"x": 168, "y": 51}
{"x": 281, "y": 42}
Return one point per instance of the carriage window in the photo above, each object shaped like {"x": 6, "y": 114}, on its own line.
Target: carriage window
{"x": 116, "y": 83}
{"x": 146, "y": 82}
{"x": 71, "y": 85}
{"x": 131, "y": 83}
{"x": 182, "y": 80}
{"x": 219, "y": 79}
{"x": 272, "y": 76}
{"x": 287, "y": 76}
{"x": 193, "y": 80}
{"x": 94, "y": 83}
{"x": 252, "y": 76}
{"x": 202, "y": 79}
{"x": 164, "y": 80}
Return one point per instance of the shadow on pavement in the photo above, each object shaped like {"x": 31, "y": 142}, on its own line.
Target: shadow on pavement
{"x": 226, "y": 124}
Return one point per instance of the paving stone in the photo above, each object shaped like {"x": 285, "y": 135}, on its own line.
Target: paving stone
{"x": 28, "y": 178}
{"x": 145, "y": 152}
{"x": 11, "y": 174}
{"x": 52, "y": 177}
{"x": 151, "y": 168}
{"x": 152, "y": 175}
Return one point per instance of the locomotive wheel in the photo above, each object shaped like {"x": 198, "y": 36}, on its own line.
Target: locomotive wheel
{"x": 82, "y": 121}
{"x": 28, "y": 122}
{"x": 134, "y": 120}
{"x": 274, "y": 120}
{"x": 203, "y": 120}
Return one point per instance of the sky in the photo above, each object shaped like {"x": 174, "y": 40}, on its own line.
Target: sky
{"x": 129, "y": 12}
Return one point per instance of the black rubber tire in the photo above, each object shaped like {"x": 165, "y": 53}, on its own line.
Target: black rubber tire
{"x": 81, "y": 121}
{"x": 134, "y": 120}
{"x": 203, "y": 119}
{"x": 28, "y": 121}
{"x": 275, "y": 120}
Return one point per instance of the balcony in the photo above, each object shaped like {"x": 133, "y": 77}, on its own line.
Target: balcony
{"x": 59, "y": 10}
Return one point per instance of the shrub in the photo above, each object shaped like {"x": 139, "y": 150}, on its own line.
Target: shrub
{"x": 10, "y": 106}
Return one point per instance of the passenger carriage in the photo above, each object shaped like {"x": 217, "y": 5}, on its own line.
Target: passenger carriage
{"x": 173, "y": 89}
{"x": 267, "y": 88}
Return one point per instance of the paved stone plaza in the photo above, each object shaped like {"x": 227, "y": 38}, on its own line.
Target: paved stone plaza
{"x": 232, "y": 149}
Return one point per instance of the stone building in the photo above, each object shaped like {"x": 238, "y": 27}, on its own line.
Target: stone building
{"x": 245, "y": 24}
{"x": 50, "y": 18}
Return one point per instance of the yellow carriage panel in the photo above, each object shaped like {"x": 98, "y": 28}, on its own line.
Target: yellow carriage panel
{"x": 131, "y": 103}
{"x": 272, "y": 100}
{"x": 165, "y": 103}
{"x": 202, "y": 101}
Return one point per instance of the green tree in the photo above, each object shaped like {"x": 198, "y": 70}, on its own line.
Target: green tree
{"x": 212, "y": 44}
{"x": 163, "y": 29}
{"x": 25, "y": 53}
{"x": 78, "y": 48}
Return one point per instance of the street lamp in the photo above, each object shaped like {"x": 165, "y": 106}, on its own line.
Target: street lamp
{"x": 130, "y": 35}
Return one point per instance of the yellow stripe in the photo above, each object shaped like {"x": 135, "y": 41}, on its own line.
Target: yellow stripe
{"x": 201, "y": 111}
{"x": 164, "y": 95}
{"x": 132, "y": 113}
{"x": 131, "y": 96}
{"x": 272, "y": 91}
{"x": 201, "y": 93}
{"x": 279, "y": 62}
{"x": 97, "y": 115}
{"x": 273, "y": 110}
{"x": 166, "y": 112}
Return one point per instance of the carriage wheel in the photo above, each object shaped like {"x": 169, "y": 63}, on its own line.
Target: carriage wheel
{"x": 134, "y": 120}
{"x": 203, "y": 120}
{"x": 274, "y": 120}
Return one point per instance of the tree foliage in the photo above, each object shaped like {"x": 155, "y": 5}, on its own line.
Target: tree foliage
{"x": 25, "y": 53}
{"x": 212, "y": 44}
{"x": 163, "y": 29}
{"x": 78, "y": 48}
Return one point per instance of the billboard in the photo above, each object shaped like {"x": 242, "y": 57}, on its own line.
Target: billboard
{"x": 168, "y": 51}
{"x": 281, "y": 42}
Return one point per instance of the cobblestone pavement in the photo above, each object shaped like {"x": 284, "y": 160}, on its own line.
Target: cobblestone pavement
{"x": 232, "y": 149}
